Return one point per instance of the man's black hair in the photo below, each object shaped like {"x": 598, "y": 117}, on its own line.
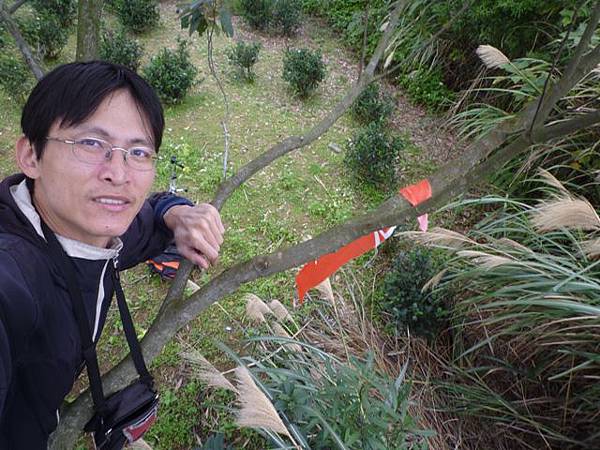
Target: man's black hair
{"x": 72, "y": 92}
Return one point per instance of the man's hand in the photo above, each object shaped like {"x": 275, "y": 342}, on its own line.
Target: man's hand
{"x": 198, "y": 232}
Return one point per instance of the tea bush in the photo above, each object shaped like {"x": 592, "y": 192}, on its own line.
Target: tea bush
{"x": 372, "y": 155}
{"x": 279, "y": 16}
{"x": 15, "y": 78}
{"x": 304, "y": 70}
{"x": 137, "y": 15}
{"x": 44, "y": 33}
{"x": 171, "y": 73}
{"x": 371, "y": 106}
{"x": 402, "y": 300}
{"x": 257, "y": 13}
{"x": 286, "y": 16}
{"x": 244, "y": 55}
{"x": 64, "y": 10}
{"x": 119, "y": 48}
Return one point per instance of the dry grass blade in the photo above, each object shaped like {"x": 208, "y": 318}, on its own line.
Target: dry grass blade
{"x": 256, "y": 411}
{"x": 325, "y": 290}
{"x": 591, "y": 248}
{"x": 485, "y": 260}
{"x": 256, "y": 308}
{"x": 206, "y": 372}
{"x": 282, "y": 332}
{"x": 551, "y": 180}
{"x": 440, "y": 237}
{"x": 491, "y": 56}
{"x": 434, "y": 281}
{"x": 280, "y": 311}
{"x": 565, "y": 213}
{"x": 514, "y": 244}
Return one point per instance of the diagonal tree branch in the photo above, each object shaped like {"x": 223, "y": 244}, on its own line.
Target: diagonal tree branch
{"x": 16, "y": 5}
{"x": 13, "y": 29}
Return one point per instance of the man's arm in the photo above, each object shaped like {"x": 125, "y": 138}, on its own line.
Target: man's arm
{"x": 197, "y": 231}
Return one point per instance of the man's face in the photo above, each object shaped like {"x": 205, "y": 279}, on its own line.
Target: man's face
{"x": 94, "y": 203}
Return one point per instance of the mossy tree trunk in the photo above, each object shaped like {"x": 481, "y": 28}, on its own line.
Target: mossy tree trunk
{"x": 88, "y": 29}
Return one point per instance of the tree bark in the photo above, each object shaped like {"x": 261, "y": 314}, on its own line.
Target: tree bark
{"x": 13, "y": 29}
{"x": 88, "y": 29}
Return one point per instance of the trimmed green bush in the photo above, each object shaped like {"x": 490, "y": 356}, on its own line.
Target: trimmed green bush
{"x": 119, "y": 48}
{"x": 304, "y": 70}
{"x": 15, "y": 78}
{"x": 402, "y": 300}
{"x": 286, "y": 16}
{"x": 64, "y": 10}
{"x": 171, "y": 73}
{"x": 137, "y": 15}
{"x": 244, "y": 55}
{"x": 372, "y": 155}
{"x": 371, "y": 106}
{"x": 45, "y": 33}
{"x": 257, "y": 13}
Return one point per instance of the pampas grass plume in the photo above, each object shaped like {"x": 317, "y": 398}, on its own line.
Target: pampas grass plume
{"x": 206, "y": 372}
{"x": 256, "y": 410}
{"x": 491, "y": 57}
{"x": 565, "y": 213}
{"x": 280, "y": 311}
{"x": 256, "y": 308}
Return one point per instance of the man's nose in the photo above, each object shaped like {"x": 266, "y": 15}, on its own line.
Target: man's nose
{"x": 114, "y": 168}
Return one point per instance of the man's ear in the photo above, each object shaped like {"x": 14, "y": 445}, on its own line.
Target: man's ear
{"x": 26, "y": 158}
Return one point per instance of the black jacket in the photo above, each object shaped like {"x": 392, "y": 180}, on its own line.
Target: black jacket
{"x": 40, "y": 346}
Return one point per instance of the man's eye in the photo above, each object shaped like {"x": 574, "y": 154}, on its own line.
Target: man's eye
{"x": 140, "y": 153}
{"x": 90, "y": 142}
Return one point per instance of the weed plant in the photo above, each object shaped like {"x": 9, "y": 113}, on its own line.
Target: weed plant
{"x": 300, "y": 395}
{"x": 303, "y": 70}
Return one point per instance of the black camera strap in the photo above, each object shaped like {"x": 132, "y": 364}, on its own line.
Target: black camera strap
{"x": 89, "y": 348}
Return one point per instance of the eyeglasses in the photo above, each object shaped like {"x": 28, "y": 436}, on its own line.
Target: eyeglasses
{"x": 96, "y": 151}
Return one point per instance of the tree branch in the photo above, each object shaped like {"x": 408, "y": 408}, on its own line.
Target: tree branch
{"x": 13, "y": 29}
{"x": 578, "y": 67}
{"x": 16, "y": 5}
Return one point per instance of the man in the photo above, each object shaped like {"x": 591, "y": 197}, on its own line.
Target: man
{"x": 91, "y": 133}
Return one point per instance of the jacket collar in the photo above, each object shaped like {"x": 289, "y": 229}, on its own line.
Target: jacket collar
{"x": 22, "y": 199}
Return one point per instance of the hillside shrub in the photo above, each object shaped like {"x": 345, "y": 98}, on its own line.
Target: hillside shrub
{"x": 371, "y": 106}
{"x": 44, "y": 33}
{"x": 64, "y": 10}
{"x": 171, "y": 73}
{"x": 137, "y": 15}
{"x": 372, "y": 155}
{"x": 15, "y": 78}
{"x": 427, "y": 88}
{"x": 401, "y": 297}
{"x": 304, "y": 70}
{"x": 286, "y": 16}
{"x": 243, "y": 56}
{"x": 257, "y": 13}
{"x": 119, "y": 48}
